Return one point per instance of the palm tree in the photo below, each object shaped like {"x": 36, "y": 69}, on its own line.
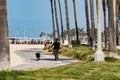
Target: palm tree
{"x": 56, "y": 17}
{"x": 4, "y": 41}
{"x": 87, "y": 21}
{"x": 99, "y": 56}
{"x": 64, "y": 33}
{"x": 61, "y": 21}
{"x": 80, "y": 32}
{"x": 112, "y": 28}
{"x": 117, "y": 22}
{"x": 76, "y": 25}
{"x": 72, "y": 31}
{"x": 42, "y": 34}
{"x": 104, "y": 13}
{"x": 67, "y": 23}
{"x": 50, "y": 36}
{"x": 92, "y": 24}
{"x": 52, "y": 12}
{"x": 118, "y": 7}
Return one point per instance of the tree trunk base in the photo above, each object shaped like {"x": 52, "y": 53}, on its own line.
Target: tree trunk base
{"x": 70, "y": 46}
{"x": 113, "y": 54}
{"x": 99, "y": 56}
{"x": 4, "y": 66}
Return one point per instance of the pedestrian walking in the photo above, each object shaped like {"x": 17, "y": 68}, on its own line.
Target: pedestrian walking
{"x": 56, "y": 48}
{"x": 45, "y": 43}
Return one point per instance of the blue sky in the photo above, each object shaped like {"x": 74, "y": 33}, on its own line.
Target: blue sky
{"x": 30, "y": 17}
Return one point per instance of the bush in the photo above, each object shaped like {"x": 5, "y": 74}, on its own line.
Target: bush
{"x": 118, "y": 51}
{"x": 65, "y": 51}
{"x": 110, "y": 59}
{"x": 74, "y": 42}
{"x": 78, "y": 52}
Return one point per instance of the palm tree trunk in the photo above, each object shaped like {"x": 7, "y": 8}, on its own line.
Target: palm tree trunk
{"x": 61, "y": 21}
{"x": 117, "y": 33}
{"x": 104, "y": 13}
{"x": 87, "y": 21}
{"x": 4, "y": 41}
{"x": 117, "y": 26}
{"x": 76, "y": 25}
{"x": 92, "y": 25}
{"x": 67, "y": 23}
{"x": 56, "y": 17}
{"x": 52, "y": 12}
{"x": 112, "y": 28}
{"x": 99, "y": 56}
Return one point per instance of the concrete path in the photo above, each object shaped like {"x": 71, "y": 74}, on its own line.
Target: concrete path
{"x": 28, "y": 59}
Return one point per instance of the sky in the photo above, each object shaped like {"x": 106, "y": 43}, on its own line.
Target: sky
{"x": 31, "y": 17}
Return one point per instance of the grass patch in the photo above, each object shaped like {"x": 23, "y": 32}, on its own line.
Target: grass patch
{"x": 82, "y": 52}
{"x": 76, "y": 71}
{"x": 110, "y": 59}
{"x": 118, "y": 51}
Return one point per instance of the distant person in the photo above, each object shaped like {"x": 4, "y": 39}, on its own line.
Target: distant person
{"x": 45, "y": 43}
{"x": 56, "y": 48}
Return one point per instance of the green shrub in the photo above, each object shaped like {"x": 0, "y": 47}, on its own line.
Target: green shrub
{"x": 118, "y": 51}
{"x": 110, "y": 59}
{"x": 79, "y": 52}
{"x": 74, "y": 42}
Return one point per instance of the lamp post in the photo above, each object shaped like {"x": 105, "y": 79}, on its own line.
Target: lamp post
{"x": 99, "y": 55}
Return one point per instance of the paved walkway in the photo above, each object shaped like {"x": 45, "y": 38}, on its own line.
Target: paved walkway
{"x": 29, "y": 59}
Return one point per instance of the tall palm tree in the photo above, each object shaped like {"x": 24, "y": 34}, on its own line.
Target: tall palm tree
{"x": 50, "y": 36}
{"x": 52, "y": 12}
{"x": 42, "y": 34}
{"x": 99, "y": 56}
{"x": 76, "y": 25}
{"x": 117, "y": 22}
{"x": 72, "y": 31}
{"x": 56, "y": 17}
{"x": 92, "y": 24}
{"x": 87, "y": 21}
{"x": 4, "y": 41}
{"x": 64, "y": 34}
{"x": 67, "y": 23}
{"x": 112, "y": 28}
{"x": 118, "y": 7}
{"x": 61, "y": 21}
{"x": 104, "y": 13}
